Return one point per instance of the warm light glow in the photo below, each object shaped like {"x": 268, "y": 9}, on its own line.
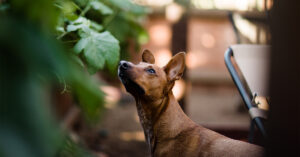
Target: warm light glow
{"x": 203, "y": 4}
{"x": 269, "y": 4}
{"x": 240, "y": 5}
{"x": 156, "y": 3}
{"x": 174, "y": 12}
{"x": 262, "y": 102}
{"x": 179, "y": 89}
{"x": 196, "y": 59}
{"x": 208, "y": 40}
{"x": 246, "y": 28}
{"x": 162, "y": 57}
{"x": 113, "y": 95}
{"x": 160, "y": 34}
{"x": 132, "y": 136}
{"x": 136, "y": 118}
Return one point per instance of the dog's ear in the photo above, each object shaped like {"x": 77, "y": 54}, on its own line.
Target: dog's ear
{"x": 174, "y": 69}
{"x": 148, "y": 57}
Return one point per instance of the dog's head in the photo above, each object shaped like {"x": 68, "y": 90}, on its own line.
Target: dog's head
{"x": 149, "y": 81}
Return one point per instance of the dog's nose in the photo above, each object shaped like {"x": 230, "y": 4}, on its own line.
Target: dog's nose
{"x": 124, "y": 65}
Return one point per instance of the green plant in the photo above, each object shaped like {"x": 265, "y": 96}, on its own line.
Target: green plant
{"x": 98, "y": 30}
{"x": 33, "y": 62}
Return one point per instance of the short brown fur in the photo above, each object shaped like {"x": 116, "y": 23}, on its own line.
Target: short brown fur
{"x": 168, "y": 130}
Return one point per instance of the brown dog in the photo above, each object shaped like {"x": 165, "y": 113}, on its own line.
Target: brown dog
{"x": 168, "y": 131}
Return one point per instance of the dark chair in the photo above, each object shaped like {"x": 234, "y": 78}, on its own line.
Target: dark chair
{"x": 248, "y": 66}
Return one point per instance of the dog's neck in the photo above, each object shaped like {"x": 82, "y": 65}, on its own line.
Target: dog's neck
{"x": 161, "y": 119}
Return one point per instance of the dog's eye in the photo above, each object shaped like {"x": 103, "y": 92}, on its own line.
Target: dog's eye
{"x": 151, "y": 71}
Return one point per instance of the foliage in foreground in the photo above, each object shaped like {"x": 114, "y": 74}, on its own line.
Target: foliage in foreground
{"x": 92, "y": 36}
{"x": 98, "y": 30}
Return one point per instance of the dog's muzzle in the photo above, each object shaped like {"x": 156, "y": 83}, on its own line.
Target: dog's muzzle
{"x": 130, "y": 85}
{"x": 123, "y": 67}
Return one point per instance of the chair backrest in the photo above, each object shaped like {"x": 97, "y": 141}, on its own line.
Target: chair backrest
{"x": 253, "y": 61}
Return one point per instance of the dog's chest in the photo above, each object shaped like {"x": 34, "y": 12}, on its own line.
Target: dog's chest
{"x": 146, "y": 123}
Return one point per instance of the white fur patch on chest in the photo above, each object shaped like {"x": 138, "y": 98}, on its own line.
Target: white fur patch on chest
{"x": 146, "y": 123}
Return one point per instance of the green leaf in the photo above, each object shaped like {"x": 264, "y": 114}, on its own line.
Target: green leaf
{"x": 60, "y": 29}
{"x": 41, "y": 13}
{"x": 71, "y": 28}
{"x": 4, "y": 7}
{"x": 68, "y": 9}
{"x": 99, "y": 6}
{"x": 27, "y": 71}
{"x": 130, "y": 29}
{"x": 93, "y": 54}
{"x": 99, "y": 49}
{"x": 91, "y": 69}
{"x": 96, "y": 26}
{"x": 128, "y": 6}
{"x": 81, "y": 3}
{"x": 70, "y": 148}
{"x": 82, "y": 23}
{"x": 111, "y": 46}
{"x": 77, "y": 60}
{"x": 121, "y": 33}
{"x": 90, "y": 98}
{"x": 143, "y": 37}
{"x": 78, "y": 24}
{"x": 85, "y": 32}
{"x": 81, "y": 44}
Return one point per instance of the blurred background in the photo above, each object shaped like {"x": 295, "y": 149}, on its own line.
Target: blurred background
{"x": 60, "y": 95}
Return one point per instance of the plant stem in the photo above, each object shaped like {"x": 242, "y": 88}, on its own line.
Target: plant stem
{"x": 86, "y": 9}
{"x": 70, "y": 41}
{"x": 110, "y": 19}
{"x": 77, "y": 6}
{"x": 62, "y": 35}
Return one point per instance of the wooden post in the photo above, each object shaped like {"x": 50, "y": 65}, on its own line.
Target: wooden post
{"x": 283, "y": 123}
{"x": 179, "y": 43}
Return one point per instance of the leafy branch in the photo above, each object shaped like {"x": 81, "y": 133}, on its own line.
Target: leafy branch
{"x": 92, "y": 35}
{"x": 93, "y": 26}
